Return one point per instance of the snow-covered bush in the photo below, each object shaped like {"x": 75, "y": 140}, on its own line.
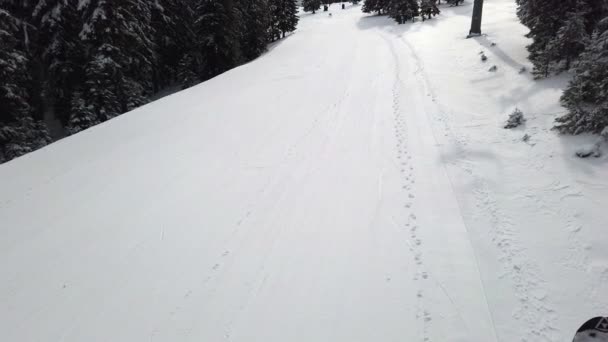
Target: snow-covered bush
{"x": 589, "y": 150}
{"x": 493, "y": 68}
{"x": 484, "y": 57}
{"x": 516, "y": 119}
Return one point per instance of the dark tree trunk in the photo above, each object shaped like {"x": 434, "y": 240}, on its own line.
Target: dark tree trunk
{"x": 476, "y": 19}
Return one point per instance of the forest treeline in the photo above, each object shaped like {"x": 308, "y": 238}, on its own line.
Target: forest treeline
{"x": 72, "y": 64}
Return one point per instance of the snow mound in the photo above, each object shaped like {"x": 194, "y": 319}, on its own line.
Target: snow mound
{"x": 589, "y": 150}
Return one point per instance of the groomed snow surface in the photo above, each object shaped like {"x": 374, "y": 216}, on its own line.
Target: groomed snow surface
{"x": 353, "y": 184}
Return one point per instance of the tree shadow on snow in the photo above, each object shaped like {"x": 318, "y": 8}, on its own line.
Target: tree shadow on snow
{"x": 523, "y": 94}
{"x": 384, "y": 23}
{"x": 465, "y": 8}
{"x": 452, "y": 155}
{"x": 375, "y": 21}
{"x": 501, "y": 54}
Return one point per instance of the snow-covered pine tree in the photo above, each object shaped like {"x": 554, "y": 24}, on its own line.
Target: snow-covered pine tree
{"x": 82, "y": 116}
{"x": 595, "y": 11}
{"x": 287, "y": 16}
{"x": 21, "y": 10}
{"x": 118, "y": 74}
{"x": 428, "y": 8}
{"x": 371, "y": 6}
{"x": 548, "y": 19}
{"x": 255, "y": 26}
{"x": 20, "y": 132}
{"x": 60, "y": 52}
{"x": 105, "y": 91}
{"x": 414, "y": 10}
{"x": 14, "y": 96}
{"x": 22, "y": 136}
{"x": 175, "y": 40}
{"x": 274, "y": 33}
{"x": 569, "y": 41}
{"x": 188, "y": 69}
{"x": 218, "y": 34}
{"x": 403, "y": 10}
{"x": 311, "y": 5}
{"x": 586, "y": 96}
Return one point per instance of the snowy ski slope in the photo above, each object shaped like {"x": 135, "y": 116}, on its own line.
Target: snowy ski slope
{"x": 352, "y": 184}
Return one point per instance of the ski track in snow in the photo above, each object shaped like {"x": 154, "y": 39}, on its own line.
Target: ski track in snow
{"x": 525, "y": 276}
{"x": 327, "y": 117}
{"x": 422, "y": 277}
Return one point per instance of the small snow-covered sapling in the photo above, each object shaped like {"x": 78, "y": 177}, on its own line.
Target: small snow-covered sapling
{"x": 484, "y": 57}
{"x": 516, "y": 119}
{"x": 493, "y": 68}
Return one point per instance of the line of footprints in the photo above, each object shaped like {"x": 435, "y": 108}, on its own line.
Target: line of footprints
{"x": 406, "y": 169}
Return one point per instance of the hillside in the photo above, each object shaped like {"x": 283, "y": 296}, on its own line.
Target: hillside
{"x": 352, "y": 184}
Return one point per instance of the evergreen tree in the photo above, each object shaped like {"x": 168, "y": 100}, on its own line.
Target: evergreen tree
{"x": 569, "y": 41}
{"x": 311, "y": 5}
{"x": 555, "y": 26}
{"x": 218, "y": 34}
{"x": 595, "y": 11}
{"x": 14, "y": 96}
{"x": 428, "y": 8}
{"x": 586, "y": 96}
{"x": 20, "y": 132}
{"x": 255, "y": 27}
{"x": 118, "y": 74}
{"x": 60, "y": 53}
{"x": 274, "y": 32}
{"x": 370, "y": 6}
{"x": 82, "y": 116}
{"x": 175, "y": 41}
{"x": 22, "y": 136}
{"x": 188, "y": 69}
{"x": 284, "y": 16}
{"x": 403, "y": 10}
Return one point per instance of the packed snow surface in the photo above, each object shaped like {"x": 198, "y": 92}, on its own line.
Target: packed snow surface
{"x": 353, "y": 184}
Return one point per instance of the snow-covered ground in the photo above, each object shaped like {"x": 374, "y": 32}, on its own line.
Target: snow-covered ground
{"x": 353, "y": 184}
